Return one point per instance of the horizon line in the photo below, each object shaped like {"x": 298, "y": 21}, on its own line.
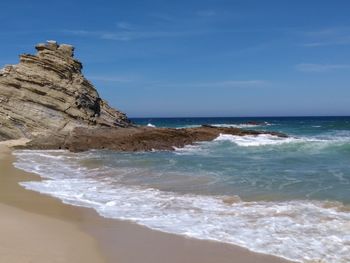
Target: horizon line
{"x": 267, "y": 116}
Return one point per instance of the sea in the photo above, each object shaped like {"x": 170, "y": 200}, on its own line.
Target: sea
{"x": 288, "y": 197}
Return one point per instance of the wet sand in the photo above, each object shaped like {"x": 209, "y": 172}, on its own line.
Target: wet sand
{"x": 40, "y": 228}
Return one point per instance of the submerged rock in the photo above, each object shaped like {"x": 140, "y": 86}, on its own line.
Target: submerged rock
{"x": 47, "y": 94}
{"x": 256, "y": 123}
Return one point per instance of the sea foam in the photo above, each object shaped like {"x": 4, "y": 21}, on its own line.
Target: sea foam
{"x": 230, "y": 125}
{"x": 259, "y": 140}
{"x": 151, "y": 125}
{"x": 267, "y": 139}
{"x": 299, "y": 230}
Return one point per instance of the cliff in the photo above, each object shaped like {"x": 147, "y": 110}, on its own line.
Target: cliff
{"x": 47, "y": 94}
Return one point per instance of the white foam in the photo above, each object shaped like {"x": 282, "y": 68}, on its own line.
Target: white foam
{"x": 189, "y": 126}
{"x": 256, "y": 140}
{"x": 191, "y": 149}
{"x": 298, "y": 230}
{"x": 267, "y": 139}
{"x": 230, "y": 125}
{"x": 242, "y": 125}
{"x": 151, "y": 125}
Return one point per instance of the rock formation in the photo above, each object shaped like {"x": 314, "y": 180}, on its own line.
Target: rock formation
{"x": 46, "y": 99}
{"x": 138, "y": 138}
{"x": 47, "y": 94}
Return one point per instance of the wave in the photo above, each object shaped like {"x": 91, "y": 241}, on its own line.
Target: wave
{"x": 243, "y": 125}
{"x": 230, "y": 125}
{"x": 297, "y": 230}
{"x": 267, "y": 139}
{"x": 187, "y": 149}
{"x": 151, "y": 125}
{"x": 259, "y": 140}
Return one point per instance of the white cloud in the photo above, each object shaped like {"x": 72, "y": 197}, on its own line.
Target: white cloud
{"x": 124, "y": 25}
{"x": 128, "y": 35}
{"x": 333, "y": 42}
{"x": 220, "y": 84}
{"x": 206, "y": 13}
{"x": 113, "y": 78}
{"x": 133, "y": 35}
{"x": 332, "y": 36}
{"x": 142, "y": 82}
{"x": 235, "y": 84}
{"x": 310, "y": 67}
{"x": 79, "y": 32}
{"x": 163, "y": 17}
{"x": 161, "y": 26}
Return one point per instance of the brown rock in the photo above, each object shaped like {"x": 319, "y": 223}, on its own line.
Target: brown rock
{"x": 137, "y": 138}
{"x": 47, "y": 94}
{"x": 47, "y": 99}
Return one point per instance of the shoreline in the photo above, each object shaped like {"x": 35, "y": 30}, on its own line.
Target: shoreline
{"x": 100, "y": 239}
{"x": 34, "y": 228}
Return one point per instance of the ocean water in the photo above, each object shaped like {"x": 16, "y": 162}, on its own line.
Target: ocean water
{"x": 288, "y": 197}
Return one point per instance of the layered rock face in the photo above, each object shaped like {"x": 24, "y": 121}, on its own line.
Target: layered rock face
{"x": 46, "y": 99}
{"x": 47, "y": 94}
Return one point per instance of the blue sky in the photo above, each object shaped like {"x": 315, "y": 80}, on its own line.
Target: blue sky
{"x": 198, "y": 58}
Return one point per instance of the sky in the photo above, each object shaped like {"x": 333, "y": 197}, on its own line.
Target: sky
{"x": 202, "y": 58}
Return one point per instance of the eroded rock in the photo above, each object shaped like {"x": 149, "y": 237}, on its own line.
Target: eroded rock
{"x": 47, "y": 94}
{"x": 46, "y": 99}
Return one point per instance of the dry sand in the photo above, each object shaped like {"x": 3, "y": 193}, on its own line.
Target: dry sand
{"x": 29, "y": 236}
{"x": 38, "y": 228}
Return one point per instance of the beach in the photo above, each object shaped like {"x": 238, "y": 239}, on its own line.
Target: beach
{"x": 175, "y": 132}
{"x": 40, "y": 228}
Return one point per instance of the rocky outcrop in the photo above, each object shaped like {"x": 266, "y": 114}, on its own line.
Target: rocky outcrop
{"x": 47, "y": 94}
{"x": 256, "y": 123}
{"x": 138, "y": 138}
{"x": 46, "y": 98}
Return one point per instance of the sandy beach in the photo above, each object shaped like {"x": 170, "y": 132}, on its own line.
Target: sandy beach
{"x": 39, "y": 228}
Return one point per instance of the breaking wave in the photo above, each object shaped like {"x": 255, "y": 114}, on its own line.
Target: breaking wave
{"x": 151, "y": 125}
{"x": 299, "y": 230}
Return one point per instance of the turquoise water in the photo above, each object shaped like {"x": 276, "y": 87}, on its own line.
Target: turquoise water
{"x": 284, "y": 196}
{"x": 315, "y": 165}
